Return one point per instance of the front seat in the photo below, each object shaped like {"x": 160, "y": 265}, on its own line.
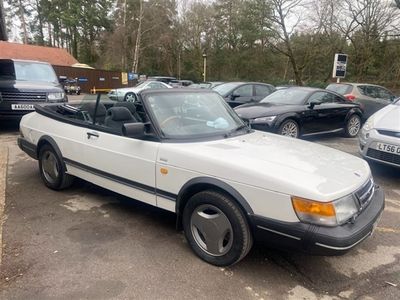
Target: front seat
{"x": 90, "y": 108}
{"x": 117, "y": 116}
{"x": 132, "y": 108}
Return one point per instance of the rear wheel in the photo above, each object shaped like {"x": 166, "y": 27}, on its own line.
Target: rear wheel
{"x": 353, "y": 126}
{"x": 289, "y": 128}
{"x": 216, "y": 228}
{"x": 52, "y": 169}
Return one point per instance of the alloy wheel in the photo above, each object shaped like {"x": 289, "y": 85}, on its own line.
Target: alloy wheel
{"x": 290, "y": 129}
{"x": 354, "y": 125}
{"x": 130, "y": 97}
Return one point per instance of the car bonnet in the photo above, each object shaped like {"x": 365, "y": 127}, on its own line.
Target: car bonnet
{"x": 273, "y": 162}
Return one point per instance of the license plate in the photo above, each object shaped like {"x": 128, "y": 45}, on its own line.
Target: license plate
{"x": 388, "y": 148}
{"x": 22, "y": 107}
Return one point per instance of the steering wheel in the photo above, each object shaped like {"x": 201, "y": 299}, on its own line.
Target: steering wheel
{"x": 169, "y": 119}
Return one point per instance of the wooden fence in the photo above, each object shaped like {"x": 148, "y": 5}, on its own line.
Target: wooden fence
{"x": 92, "y": 79}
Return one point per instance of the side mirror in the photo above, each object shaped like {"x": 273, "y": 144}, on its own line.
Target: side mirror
{"x": 133, "y": 130}
{"x": 313, "y": 103}
{"x": 234, "y": 95}
{"x": 392, "y": 98}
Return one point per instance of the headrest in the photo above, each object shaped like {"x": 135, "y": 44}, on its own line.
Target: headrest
{"x": 91, "y": 106}
{"x": 129, "y": 105}
{"x": 119, "y": 114}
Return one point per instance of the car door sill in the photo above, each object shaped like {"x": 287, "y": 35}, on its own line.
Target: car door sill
{"x": 323, "y": 132}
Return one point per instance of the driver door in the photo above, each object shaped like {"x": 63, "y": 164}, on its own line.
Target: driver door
{"x": 122, "y": 164}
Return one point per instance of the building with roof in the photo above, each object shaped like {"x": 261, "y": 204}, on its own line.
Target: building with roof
{"x": 52, "y": 55}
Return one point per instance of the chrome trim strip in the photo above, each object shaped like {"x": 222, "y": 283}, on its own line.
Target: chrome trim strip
{"x": 280, "y": 233}
{"x": 344, "y": 248}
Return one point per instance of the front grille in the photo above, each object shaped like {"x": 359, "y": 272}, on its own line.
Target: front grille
{"x": 384, "y": 156}
{"x": 365, "y": 193}
{"x": 390, "y": 133}
{"x": 24, "y": 96}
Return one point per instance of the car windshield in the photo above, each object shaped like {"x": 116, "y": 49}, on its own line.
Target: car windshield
{"x": 191, "y": 115}
{"x": 142, "y": 84}
{"x": 31, "y": 71}
{"x": 287, "y": 96}
{"x": 225, "y": 88}
{"x": 341, "y": 89}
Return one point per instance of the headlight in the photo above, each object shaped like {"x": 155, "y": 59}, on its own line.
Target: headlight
{"x": 267, "y": 120}
{"x": 325, "y": 213}
{"x": 368, "y": 125}
{"x": 55, "y": 96}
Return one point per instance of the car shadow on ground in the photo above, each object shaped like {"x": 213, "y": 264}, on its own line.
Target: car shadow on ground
{"x": 9, "y": 126}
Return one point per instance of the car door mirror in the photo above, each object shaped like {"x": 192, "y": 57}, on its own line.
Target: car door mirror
{"x": 235, "y": 95}
{"x": 133, "y": 130}
{"x": 313, "y": 103}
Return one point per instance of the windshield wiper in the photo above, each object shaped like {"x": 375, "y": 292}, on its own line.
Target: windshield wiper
{"x": 241, "y": 127}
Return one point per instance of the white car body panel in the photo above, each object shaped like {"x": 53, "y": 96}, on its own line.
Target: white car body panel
{"x": 267, "y": 178}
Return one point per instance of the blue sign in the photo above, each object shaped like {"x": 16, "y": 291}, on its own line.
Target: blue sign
{"x": 130, "y": 76}
{"x": 83, "y": 79}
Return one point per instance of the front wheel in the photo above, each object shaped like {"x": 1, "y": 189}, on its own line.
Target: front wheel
{"x": 130, "y": 97}
{"x": 353, "y": 126}
{"x": 216, "y": 228}
{"x": 52, "y": 170}
{"x": 289, "y": 128}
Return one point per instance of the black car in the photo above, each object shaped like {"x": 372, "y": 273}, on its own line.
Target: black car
{"x": 26, "y": 83}
{"x": 300, "y": 111}
{"x": 238, "y": 93}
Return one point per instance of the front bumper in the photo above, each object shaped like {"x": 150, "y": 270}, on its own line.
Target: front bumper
{"x": 369, "y": 150}
{"x": 320, "y": 240}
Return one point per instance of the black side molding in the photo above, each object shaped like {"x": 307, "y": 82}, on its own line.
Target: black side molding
{"x": 27, "y": 147}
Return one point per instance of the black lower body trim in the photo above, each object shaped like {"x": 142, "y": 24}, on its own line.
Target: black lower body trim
{"x": 320, "y": 240}
{"x": 121, "y": 180}
{"x": 27, "y": 147}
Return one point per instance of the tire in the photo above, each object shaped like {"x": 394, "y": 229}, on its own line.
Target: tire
{"x": 224, "y": 240}
{"x": 130, "y": 97}
{"x": 289, "y": 128}
{"x": 52, "y": 170}
{"x": 353, "y": 126}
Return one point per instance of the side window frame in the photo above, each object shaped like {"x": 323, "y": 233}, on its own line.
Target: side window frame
{"x": 246, "y": 85}
{"x": 266, "y": 87}
{"x": 320, "y": 92}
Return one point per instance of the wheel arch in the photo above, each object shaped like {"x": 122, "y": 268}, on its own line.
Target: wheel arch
{"x": 199, "y": 184}
{"x": 354, "y": 111}
{"x": 288, "y": 116}
{"x": 48, "y": 140}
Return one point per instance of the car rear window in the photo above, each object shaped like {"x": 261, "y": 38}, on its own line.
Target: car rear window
{"x": 341, "y": 89}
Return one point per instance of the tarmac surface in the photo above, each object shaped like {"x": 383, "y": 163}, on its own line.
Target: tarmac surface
{"x": 89, "y": 243}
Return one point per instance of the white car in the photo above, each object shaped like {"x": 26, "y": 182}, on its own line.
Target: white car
{"x": 380, "y": 136}
{"x": 129, "y": 94}
{"x": 191, "y": 154}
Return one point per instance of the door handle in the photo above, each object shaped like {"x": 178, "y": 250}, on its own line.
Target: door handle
{"x": 92, "y": 134}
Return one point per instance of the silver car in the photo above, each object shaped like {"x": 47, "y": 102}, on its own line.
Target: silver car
{"x": 380, "y": 136}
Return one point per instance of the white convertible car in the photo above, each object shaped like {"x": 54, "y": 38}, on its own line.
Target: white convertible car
{"x": 186, "y": 151}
